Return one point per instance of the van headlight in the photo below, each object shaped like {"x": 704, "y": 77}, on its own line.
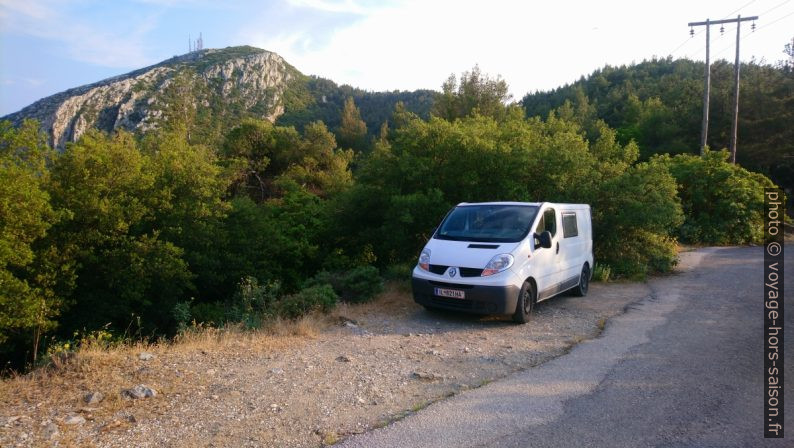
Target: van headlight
{"x": 497, "y": 264}
{"x": 424, "y": 259}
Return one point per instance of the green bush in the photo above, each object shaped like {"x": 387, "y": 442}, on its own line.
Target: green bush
{"x": 601, "y": 272}
{"x": 253, "y": 302}
{"x": 313, "y": 298}
{"x": 182, "y": 316}
{"x": 357, "y": 285}
{"x": 399, "y": 271}
{"x": 723, "y": 203}
{"x": 635, "y": 216}
{"x": 211, "y": 313}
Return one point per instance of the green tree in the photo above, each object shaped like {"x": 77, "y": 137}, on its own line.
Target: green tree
{"x": 657, "y": 103}
{"x": 26, "y": 302}
{"x": 476, "y": 92}
{"x": 352, "y": 130}
{"x": 723, "y": 202}
{"x": 256, "y": 152}
{"x": 259, "y": 154}
{"x": 318, "y": 166}
{"x": 177, "y": 105}
{"x": 406, "y": 185}
{"x": 635, "y": 217}
{"x": 187, "y": 201}
{"x": 123, "y": 267}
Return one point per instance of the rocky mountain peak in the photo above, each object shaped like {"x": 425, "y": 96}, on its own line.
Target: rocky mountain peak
{"x": 245, "y": 78}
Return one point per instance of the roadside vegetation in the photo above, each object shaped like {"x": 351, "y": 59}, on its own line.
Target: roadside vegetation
{"x": 126, "y": 237}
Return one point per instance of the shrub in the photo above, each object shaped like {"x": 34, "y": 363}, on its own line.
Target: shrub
{"x": 634, "y": 218}
{"x": 313, "y": 298}
{"x": 357, "y": 285}
{"x": 723, "y": 203}
{"x": 601, "y": 272}
{"x": 399, "y": 271}
{"x": 212, "y": 313}
{"x": 253, "y": 301}
{"x": 181, "y": 315}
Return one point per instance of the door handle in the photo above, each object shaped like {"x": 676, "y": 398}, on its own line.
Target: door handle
{"x": 558, "y": 247}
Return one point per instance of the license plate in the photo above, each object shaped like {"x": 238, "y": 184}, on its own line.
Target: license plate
{"x": 451, "y": 293}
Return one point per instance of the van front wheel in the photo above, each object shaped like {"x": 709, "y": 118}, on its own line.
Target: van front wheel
{"x": 525, "y": 304}
{"x": 584, "y": 282}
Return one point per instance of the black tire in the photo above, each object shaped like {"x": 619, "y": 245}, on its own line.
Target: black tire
{"x": 525, "y": 303}
{"x": 584, "y": 282}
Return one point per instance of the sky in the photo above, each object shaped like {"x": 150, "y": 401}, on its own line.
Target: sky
{"x": 47, "y": 46}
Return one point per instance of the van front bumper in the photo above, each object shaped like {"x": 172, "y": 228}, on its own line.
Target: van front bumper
{"x": 478, "y": 299}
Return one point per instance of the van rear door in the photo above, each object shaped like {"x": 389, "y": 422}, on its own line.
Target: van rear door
{"x": 573, "y": 251}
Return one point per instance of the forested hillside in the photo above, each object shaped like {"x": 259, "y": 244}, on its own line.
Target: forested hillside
{"x": 658, "y": 104}
{"x": 196, "y": 222}
{"x": 218, "y": 88}
{"x": 311, "y": 98}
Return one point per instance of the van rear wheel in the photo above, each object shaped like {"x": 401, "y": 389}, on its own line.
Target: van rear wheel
{"x": 584, "y": 282}
{"x": 525, "y": 303}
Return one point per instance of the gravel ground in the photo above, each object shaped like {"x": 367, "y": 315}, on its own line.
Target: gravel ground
{"x": 376, "y": 364}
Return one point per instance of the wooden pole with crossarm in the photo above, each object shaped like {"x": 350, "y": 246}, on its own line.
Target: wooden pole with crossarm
{"x": 707, "y": 84}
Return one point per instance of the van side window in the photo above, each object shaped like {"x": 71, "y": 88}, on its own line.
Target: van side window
{"x": 549, "y": 221}
{"x": 569, "y": 228}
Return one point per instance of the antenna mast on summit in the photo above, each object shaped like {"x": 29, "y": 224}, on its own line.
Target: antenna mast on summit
{"x": 197, "y": 45}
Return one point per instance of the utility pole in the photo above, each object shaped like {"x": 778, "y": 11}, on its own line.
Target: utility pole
{"x": 737, "y": 65}
{"x": 707, "y": 87}
{"x": 704, "y": 128}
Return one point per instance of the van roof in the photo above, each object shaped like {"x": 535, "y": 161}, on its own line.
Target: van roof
{"x": 536, "y": 204}
{"x": 501, "y": 203}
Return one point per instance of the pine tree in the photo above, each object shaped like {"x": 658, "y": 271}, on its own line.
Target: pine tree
{"x": 352, "y": 131}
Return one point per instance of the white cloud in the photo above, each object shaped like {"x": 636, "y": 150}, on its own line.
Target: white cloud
{"x": 32, "y": 9}
{"x": 533, "y": 45}
{"x": 111, "y": 45}
{"x": 344, "y": 6}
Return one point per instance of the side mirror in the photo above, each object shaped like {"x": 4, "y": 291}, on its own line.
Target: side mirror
{"x": 544, "y": 238}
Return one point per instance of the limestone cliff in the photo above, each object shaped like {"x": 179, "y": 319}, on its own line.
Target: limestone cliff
{"x": 249, "y": 80}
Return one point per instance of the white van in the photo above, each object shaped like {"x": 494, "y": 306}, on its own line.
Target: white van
{"x": 504, "y": 257}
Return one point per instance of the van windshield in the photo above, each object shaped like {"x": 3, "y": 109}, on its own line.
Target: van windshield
{"x": 487, "y": 223}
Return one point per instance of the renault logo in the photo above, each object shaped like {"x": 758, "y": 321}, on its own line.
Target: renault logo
{"x": 453, "y": 272}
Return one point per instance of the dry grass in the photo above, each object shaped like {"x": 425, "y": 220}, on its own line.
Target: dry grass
{"x": 107, "y": 368}
{"x": 602, "y": 323}
{"x": 393, "y": 300}
{"x": 55, "y": 391}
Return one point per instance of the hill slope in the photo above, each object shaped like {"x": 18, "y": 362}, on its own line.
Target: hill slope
{"x": 244, "y": 77}
{"x": 223, "y": 86}
{"x": 658, "y": 103}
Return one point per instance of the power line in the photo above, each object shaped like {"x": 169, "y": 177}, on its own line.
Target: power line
{"x": 740, "y": 8}
{"x": 766, "y": 25}
{"x": 776, "y": 21}
{"x": 688, "y": 39}
{"x": 725, "y": 17}
{"x": 774, "y": 8}
{"x": 707, "y": 81}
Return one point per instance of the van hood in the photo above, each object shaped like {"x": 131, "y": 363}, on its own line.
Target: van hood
{"x": 466, "y": 254}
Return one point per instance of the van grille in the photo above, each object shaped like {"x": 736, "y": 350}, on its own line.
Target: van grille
{"x": 470, "y": 272}
{"x": 438, "y": 269}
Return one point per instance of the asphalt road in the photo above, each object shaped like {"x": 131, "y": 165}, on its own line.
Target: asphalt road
{"x": 683, "y": 368}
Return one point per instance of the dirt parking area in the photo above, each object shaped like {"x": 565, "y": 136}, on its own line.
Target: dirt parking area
{"x": 364, "y": 367}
